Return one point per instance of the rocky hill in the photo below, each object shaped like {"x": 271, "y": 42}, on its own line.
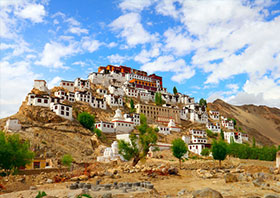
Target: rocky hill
{"x": 261, "y": 122}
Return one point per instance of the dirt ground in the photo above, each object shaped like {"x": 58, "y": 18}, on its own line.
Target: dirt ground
{"x": 164, "y": 185}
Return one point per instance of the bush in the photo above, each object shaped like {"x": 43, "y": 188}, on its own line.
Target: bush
{"x": 211, "y": 134}
{"x": 98, "y": 132}
{"x": 205, "y": 152}
{"x": 41, "y": 194}
{"x": 66, "y": 160}
{"x": 179, "y": 149}
{"x": 86, "y": 120}
{"x": 14, "y": 153}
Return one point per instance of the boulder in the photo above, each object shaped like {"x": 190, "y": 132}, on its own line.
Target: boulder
{"x": 229, "y": 178}
{"x": 107, "y": 195}
{"x": 271, "y": 196}
{"x": 173, "y": 171}
{"x": 206, "y": 193}
{"x": 258, "y": 182}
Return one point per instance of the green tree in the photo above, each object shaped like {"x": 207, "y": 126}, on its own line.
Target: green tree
{"x": 202, "y": 102}
{"x": 179, "y": 149}
{"x": 175, "y": 90}
{"x": 205, "y": 152}
{"x": 132, "y": 107}
{"x": 138, "y": 147}
{"x": 41, "y": 194}
{"x": 67, "y": 160}
{"x": 14, "y": 153}
{"x": 222, "y": 134}
{"x": 86, "y": 120}
{"x": 158, "y": 99}
{"x": 98, "y": 132}
{"x": 219, "y": 150}
{"x": 254, "y": 142}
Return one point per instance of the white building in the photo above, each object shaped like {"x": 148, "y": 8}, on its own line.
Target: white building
{"x": 244, "y": 137}
{"x": 105, "y": 127}
{"x": 110, "y": 153}
{"x": 101, "y": 91}
{"x": 114, "y": 101}
{"x": 69, "y": 85}
{"x": 12, "y": 125}
{"x": 41, "y": 85}
{"x": 214, "y": 115}
{"x": 134, "y": 117}
{"x": 198, "y": 139}
{"x": 164, "y": 130}
{"x": 185, "y": 99}
{"x": 236, "y": 137}
{"x": 71, "y": 96}
{"x": 122, "y": 125}
{"x": 196, "y": 148}
{"x": 132, "y": 76}
{"x": 146, "y": 96}
{"x": 229, "y": 124}
{"x": 172, "y": 126}
{"x": 117, "y": 91}
{"x": 62, "y": 110}
{"x": 124, "y": 137}
{"x": 62, "y": 94}
{"x": 214, "y": 127}
{"x": 195, "y": 113}
{"x": 81, "y": 85}
{"x": 199, "y": 133}
{"x": 186, "y": 139}
{"x": 131, "y": 92}
{"x": 99, "y": 103}
{"x": 38, "y": 100}
{"x": 83, "y": 96}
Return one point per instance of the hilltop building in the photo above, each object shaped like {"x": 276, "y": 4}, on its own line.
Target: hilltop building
{"x": 12, "y": 125}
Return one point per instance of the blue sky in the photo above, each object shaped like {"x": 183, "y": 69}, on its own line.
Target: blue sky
{"x": 207, "y": 49}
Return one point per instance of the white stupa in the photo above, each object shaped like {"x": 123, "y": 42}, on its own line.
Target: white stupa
{"x": 118, "y": 115}
{"x": 172, "y": 126}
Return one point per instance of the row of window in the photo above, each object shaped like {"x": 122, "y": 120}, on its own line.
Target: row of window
{"x": 46, "y": 101}
{"x": 68, "y": 84}
{"x": 199, "y": 141}
{"x": 106, "y": 125}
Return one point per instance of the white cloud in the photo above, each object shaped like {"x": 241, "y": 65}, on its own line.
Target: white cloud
{"x": 16, "y": 80}
{"x": 168, "y": 8}
{"x": 169, "y": 63}
{"x": 78, "y": 30}
{"x": 90, "y": 44}
{"x": 117, "y": 59}
{"x": 54, "y": 82}
{"x": 112, "y": 44}
{"x": 178, "y": 42}
{"x": 53, "y": 53}
{"x": 132, "y": 30}
{"x": 81, "y": 63}
{"x": 33, "y": 12}
{"x": 185, "y": 73}
{"x": 135, "y": 5}
{"x": 145, "y": 55}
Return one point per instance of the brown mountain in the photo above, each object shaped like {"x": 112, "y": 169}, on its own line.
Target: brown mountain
{"x": 261, "y": 122}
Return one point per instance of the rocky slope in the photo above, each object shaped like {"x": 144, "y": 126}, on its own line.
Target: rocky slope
{"x": 261, "y": 122}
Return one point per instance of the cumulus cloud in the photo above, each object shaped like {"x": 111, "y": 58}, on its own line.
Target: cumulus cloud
{"x": 16, "y": 80}
{"x": 117, "y": 59}
{"x": 145, "y": 55}
{"x": 78, "y": 30}
{"x": 53, "y": 53}
{"x": 90, "y": 44}
{"x": 130, "y": 27}
{"x": 54, "y": 82}
{"x": 135, "y": 5}
{"x": 33, "y": 12}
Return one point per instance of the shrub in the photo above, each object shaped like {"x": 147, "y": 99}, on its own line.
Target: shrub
{"x": 205, "y": 152}
{"x": 179, "y": 149}
{"x": 14, "y": 153}
{"x": 211, "y": 134}
{"x": 67, "y": 160}
{"x": 41, "y": 194}
{"x": 86, "y": 120}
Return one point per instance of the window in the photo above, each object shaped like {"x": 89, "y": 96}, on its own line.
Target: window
{"x": 46, "y": 101}
{"x": 63, "y": 83}
{"x": 36, "y": 164}
{"x": 39, "y": 100}
{"x": 67, "y": 113}
{"x": 55, "y": 107}
{"x": 62, "y": 107}
{"x": 62, "y": 112}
